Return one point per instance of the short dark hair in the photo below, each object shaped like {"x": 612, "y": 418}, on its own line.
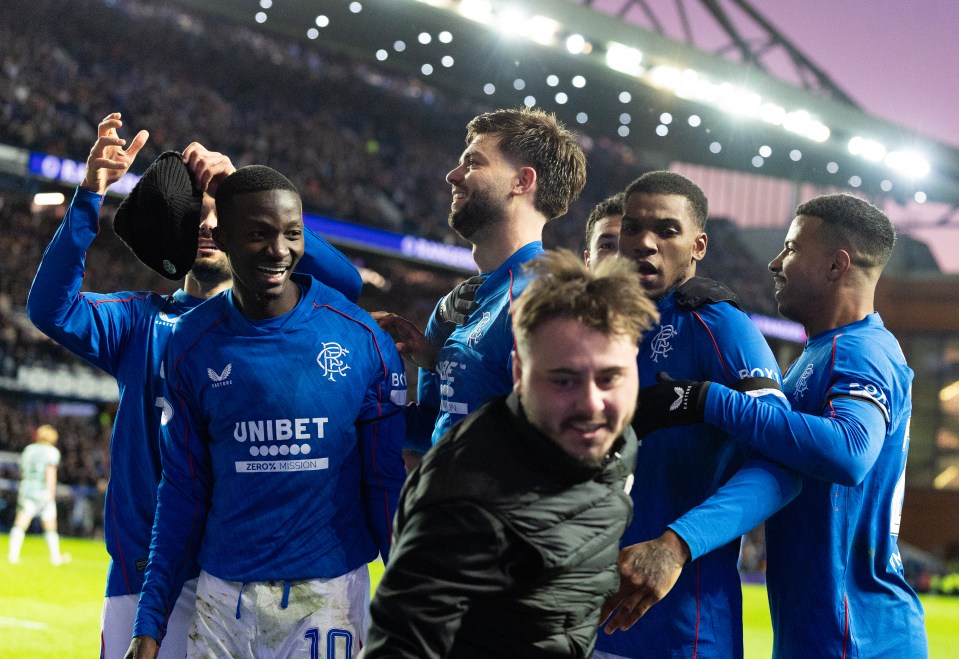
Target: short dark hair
{"x": 663, "y": 182}
{"x": 537, "y": 139}
{"x": 608, "y": 206}
{"x": 855, "y": 224}
{"x": 252, "y": 178}
{"x": 609, "y": 299}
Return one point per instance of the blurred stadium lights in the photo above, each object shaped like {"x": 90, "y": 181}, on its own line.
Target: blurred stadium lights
{"x": 48, "y": 198}
{"x": 737, "y": 106}
{"x": 685, "y": 83}
{"x": 948, "y": 475}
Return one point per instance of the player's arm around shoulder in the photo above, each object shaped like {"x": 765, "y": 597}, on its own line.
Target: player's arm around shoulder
{"x": 731, "y": 349}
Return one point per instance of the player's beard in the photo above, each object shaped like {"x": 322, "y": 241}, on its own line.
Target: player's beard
{"x": 479, "y": 211}
{"x": 212, "y": 270}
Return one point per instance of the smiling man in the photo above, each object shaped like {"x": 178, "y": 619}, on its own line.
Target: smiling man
{"x": 521, "y": 169}
{"x": 280, "y": 446}
{"x": 125, "y": 334}
{"x": 507, "y": 532}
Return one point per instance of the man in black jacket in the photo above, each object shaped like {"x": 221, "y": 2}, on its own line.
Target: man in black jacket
{"x": 507, "y": 534}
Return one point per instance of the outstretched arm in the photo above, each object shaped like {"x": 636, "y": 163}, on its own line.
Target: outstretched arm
{"x": 92, "y": 325}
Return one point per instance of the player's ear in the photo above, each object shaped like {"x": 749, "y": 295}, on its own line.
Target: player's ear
{"x": 525, "y": 181}
{"x": 517, "y": 372}
{"x": 699, "y": 246}
{"x": 841, "y": 262}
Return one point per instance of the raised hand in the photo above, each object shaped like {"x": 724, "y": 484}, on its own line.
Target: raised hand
{"x": 209, "y": 168}
{"x": 108, "y": 160}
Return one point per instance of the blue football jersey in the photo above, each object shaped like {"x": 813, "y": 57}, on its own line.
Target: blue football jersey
{"x": 125, "y": 335}
{"x": 679, "y": 468}
{"x": 475, "y": 362}
{"x": 281, "y": 446}
{"x": 834, "y": 573}
{"x": 835, "y": 577}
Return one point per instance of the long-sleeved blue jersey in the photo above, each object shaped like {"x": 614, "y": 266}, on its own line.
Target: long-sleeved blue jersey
{"x": 281, "y": 446}
{"x": 475, "y": 362}
{"x": 125, "y": 335}
{"x": 835, "y": 577}
{"x": 678, "y": 468}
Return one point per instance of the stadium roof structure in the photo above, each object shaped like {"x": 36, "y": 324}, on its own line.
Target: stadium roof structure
{"x": 607, "y": 76}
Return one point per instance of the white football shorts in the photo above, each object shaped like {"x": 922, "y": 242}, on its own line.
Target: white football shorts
{"x": 311, "y": 619}
{"x": 119, "y": 614}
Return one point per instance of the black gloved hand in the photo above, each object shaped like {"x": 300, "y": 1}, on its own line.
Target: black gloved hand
{"x": 669, "y": 403}
{"x": 459, "y": 303}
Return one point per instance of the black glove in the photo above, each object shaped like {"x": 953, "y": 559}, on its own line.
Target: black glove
{"x": 459, "y": 303}
{"x": 669, "y": 403}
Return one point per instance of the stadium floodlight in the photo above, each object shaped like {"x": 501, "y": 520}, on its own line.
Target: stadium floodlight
{"x": 513, "y": 22}
{"x": 772, "y": 113}
{"x": 48, "y": 198}
{"x": 442, "y": 4}
{"x": 920, "y": 197}
{"x": 868, "y": 149}
{"x": 575, "y": 44}
{"x": 907, "y": 163}
{"x": 818, "y": 131}
{"x": 624, "y": 59}
{"x": 665, "y": 77}
{"x": 579, "y": 82}
{"x": 480, "y": 11}
{"x": 543, "y": 29}
{"x": 739, "y": 101}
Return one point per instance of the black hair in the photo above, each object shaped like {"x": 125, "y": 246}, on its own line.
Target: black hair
{"x": 666, "y": 183}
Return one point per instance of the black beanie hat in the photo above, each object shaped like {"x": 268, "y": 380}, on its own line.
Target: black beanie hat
{"x": 160, "y": 219}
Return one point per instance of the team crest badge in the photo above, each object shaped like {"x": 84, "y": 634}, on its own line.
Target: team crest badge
{"x": 332, "y": 360}
{"x": 661, "y": 344}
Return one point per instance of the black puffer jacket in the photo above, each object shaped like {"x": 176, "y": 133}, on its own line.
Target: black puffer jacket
{"x": 505, "y": 546}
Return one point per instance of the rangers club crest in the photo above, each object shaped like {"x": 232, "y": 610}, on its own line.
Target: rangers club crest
{"x": 661, "y": 344}
{"x": 331, "y": 360}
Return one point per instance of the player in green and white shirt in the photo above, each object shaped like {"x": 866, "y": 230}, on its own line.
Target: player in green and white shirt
{"x": 37, "y": 495}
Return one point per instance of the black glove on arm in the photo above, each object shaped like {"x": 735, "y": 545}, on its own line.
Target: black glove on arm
{"x": 459, "y": 303}
{"x": 669, "y": 403}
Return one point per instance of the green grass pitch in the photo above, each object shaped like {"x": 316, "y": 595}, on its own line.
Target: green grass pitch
{"x": 55, "y": 611}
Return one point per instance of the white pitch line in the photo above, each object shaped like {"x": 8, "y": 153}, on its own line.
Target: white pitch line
{"x": 24, "y": 624}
